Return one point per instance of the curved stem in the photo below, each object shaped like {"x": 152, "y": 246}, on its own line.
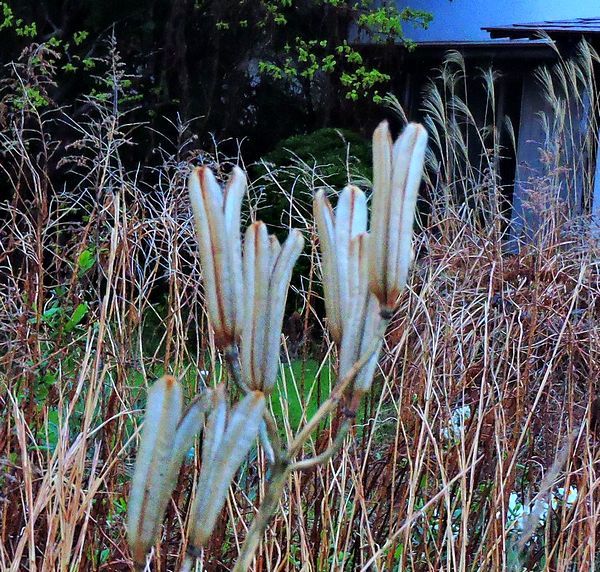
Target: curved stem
{"x": 274, "y": 438}
{"x": 261, "y": 521}
{"x": 337, "y": 393}
{"x": 323, "y": 457}
{"x": 282, "y": 467}
{"x": 232, "y": 357}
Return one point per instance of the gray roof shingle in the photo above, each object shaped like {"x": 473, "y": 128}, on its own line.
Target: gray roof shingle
{"x": 577, "y": 26}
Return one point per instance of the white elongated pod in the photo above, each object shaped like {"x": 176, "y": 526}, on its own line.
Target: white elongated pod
{"x": 150, "y": 488}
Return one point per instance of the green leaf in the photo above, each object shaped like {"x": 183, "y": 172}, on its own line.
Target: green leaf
{"x": 86, "y": 261}
{"x": 51, "y": 313}
{"x": 80, "y": 37}
{"x": 78, "y": 315}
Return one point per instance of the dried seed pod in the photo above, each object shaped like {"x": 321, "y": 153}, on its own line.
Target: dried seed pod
{"x": 188, "y": 428}
{"x": 352, "y": 311}
{"x": 267, "y": 273}
{"x": 166, "y": 438}
{"x": 336, "y": 229}
{"x": 217, "y": 220}
{"x": 225, "y": 446}
{"x": 363, "y": 319}
{"x": 150, "y": 488}
{"x": 397, "y": 171}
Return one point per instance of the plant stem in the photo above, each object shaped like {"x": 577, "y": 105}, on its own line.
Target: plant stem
{"x": 282, "y": 467}
{"x": 323, "y": 457}
{"x": 232, "y": 357}
{"x": 337, "y": 393}
{"x": 274, "y": 438}
{"x": 261, "y": 521}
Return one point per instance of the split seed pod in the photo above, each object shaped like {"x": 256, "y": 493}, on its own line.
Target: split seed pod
{"x": 166, "y": 438}
{"x": 217, "y": 220}
{"x": 363, "y": 318}
{"x": 149, "y": 497}
{"x": 397, "y": 171}
{"x": 226, "y": 444}
{"x": 267, "y": 273}
{"x": 336, "y": 229}
{"x": 188, "y": 428}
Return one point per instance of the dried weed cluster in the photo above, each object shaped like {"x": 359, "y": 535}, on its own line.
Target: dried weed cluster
{"x": 364, "y": 277}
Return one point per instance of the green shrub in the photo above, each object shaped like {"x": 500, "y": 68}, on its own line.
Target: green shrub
{"x": 297, "y": 167}
{"x": 302, "y": 163}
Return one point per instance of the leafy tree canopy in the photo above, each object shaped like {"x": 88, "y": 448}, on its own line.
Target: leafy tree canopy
{"x": 233, "y": 65}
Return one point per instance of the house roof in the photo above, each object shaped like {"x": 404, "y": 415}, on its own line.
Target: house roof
{"x": 496, "y": 42}
{"x": 577, "y": 26}
{"x": 490, "y": 48}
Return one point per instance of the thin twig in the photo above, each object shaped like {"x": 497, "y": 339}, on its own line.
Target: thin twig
{"x": 323, "y": 457}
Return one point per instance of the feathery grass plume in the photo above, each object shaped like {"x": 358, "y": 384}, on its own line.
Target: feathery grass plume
{"x": 397, "y": 171}
{"x": 153, "y": 470}
{"x": 362, "y": 320}
{"x": 336, "y": 231}
{"x": 267, "y": 272}
{"x": 217, "y": 220}
{"x": 226, "y": 443}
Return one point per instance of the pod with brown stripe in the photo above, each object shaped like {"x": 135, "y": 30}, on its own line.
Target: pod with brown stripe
{"x": 267, "y": 271}
{"x": 166, "y": 437}
{"x": 152, "y": 468}
{"x": 397, "y": 172}
{"x": 217, "y": 220}
{"x": 363, "y": 320}
{"x": 188, "y": 428}
{"x": 337, "y": 228}
{"x": 226, "y": 444}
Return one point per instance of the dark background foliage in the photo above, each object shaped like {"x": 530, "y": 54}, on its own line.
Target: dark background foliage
{"x": 258, "y": 70}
